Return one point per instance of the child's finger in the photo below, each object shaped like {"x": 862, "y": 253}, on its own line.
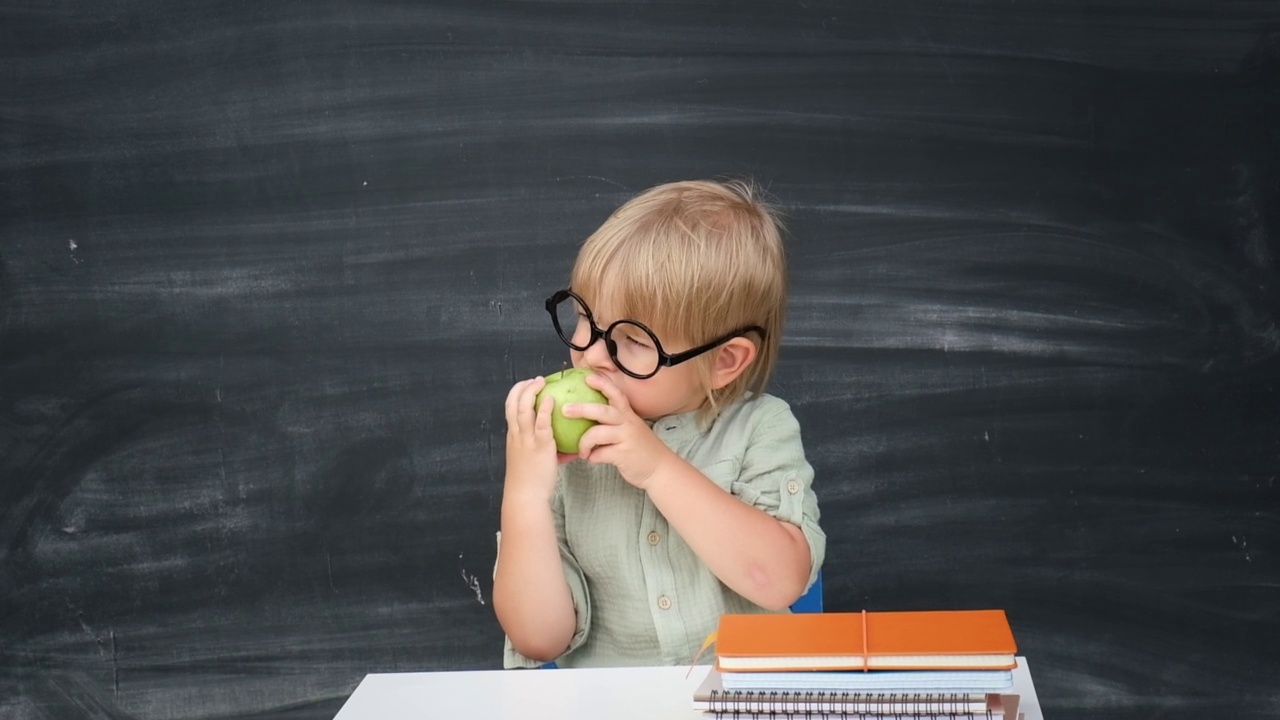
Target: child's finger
{"x": 513, "y": 401}
{"x": 599, "y": 412}
{"x": 520, "y": 410}
{"x": 528, "y": 402}
{"x": 542, "y": 421}
{"x": 597, "y": 437}
{"x": 610, "y": 391}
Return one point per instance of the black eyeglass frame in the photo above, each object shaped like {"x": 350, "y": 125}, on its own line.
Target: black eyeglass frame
{"x": 665, "y": 359}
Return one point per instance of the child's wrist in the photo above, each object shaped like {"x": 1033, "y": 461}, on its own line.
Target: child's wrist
{"x": 526, "y": 494}
{"x": 661, "y": 472}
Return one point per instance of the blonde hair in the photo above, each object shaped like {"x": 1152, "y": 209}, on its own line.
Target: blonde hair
{"x": 693, "y": 260}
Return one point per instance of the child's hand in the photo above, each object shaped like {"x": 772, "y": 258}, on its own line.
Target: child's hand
{"x": 621, "y": 438}
{"x": 531, "y": 450}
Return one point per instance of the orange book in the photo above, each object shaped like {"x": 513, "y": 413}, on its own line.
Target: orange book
{"x": 876, "y": 640}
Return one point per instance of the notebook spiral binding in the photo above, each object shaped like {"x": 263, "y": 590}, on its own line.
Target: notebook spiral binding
{"x": 816, "y": 715}
{"x": 840, "y": 705}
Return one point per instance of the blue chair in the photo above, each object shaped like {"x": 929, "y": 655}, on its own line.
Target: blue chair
{"x": 811, "y": 600}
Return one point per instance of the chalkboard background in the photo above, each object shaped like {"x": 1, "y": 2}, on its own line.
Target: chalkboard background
{"x": 267, "y": 271}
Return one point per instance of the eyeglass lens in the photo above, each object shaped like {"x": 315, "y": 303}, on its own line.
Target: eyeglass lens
{"x": 631, "y": 346}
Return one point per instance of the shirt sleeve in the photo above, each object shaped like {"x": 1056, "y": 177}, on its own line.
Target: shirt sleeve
{"x": 776, "y": 478}
{"x": 576, "y": 580}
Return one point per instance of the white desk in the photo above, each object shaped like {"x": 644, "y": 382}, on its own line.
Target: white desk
{"x": 646, "y": 693}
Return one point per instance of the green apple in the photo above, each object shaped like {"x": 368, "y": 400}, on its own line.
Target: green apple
{"x": 569, "y": 386}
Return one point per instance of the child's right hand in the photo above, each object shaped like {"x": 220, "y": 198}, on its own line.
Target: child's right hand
{"x": 531, "y": 449}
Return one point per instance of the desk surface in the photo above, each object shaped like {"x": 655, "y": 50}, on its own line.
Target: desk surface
{"x": 636, "y": 693}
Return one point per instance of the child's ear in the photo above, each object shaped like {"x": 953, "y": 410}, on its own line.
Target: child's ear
{"x": 732, "y": 359}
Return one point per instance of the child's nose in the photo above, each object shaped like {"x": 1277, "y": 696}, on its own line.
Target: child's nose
{"x": 596, "y": 356}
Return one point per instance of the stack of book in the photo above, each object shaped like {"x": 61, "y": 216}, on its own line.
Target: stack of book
{"x": 909, "y": 665}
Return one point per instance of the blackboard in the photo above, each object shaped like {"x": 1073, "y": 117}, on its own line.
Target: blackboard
{"x": 268, "y": 269}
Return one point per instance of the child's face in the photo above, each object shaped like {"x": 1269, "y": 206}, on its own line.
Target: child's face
{"x": 671, "y": 391}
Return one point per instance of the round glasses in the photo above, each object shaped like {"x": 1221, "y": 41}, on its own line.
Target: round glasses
{"x": 634, "y": 348}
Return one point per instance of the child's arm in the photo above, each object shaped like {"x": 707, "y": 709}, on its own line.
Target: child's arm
{"x": 530, "y": 595}
{"x": 762, "y": 558}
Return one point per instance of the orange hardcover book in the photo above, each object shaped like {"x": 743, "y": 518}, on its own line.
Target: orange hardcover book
{"x": 875, "y": 640}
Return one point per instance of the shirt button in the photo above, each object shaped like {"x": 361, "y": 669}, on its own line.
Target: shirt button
{"x": 664, "y": 602}
{"x": 654, "y": 538}
{"x": 793, "y": 487}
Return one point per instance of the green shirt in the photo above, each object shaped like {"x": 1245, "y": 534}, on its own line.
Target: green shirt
{"x": 641, "y": 595}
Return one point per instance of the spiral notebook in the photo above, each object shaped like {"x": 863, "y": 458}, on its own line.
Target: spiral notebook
{"x": 713, "y": 698}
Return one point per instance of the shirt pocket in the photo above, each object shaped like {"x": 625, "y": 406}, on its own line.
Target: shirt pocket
{"x": 724, "y": 473}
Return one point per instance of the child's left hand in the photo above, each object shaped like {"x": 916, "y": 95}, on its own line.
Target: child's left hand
{"x": 622, "y": 438}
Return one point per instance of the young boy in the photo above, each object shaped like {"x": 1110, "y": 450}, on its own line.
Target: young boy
{"x": 692, "y": 496}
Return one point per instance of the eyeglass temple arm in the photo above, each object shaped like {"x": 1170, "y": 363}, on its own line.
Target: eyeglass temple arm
{"x": 680, "y": 357}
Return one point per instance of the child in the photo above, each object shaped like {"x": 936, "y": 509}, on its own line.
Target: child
{"x": 692, "y": 496}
